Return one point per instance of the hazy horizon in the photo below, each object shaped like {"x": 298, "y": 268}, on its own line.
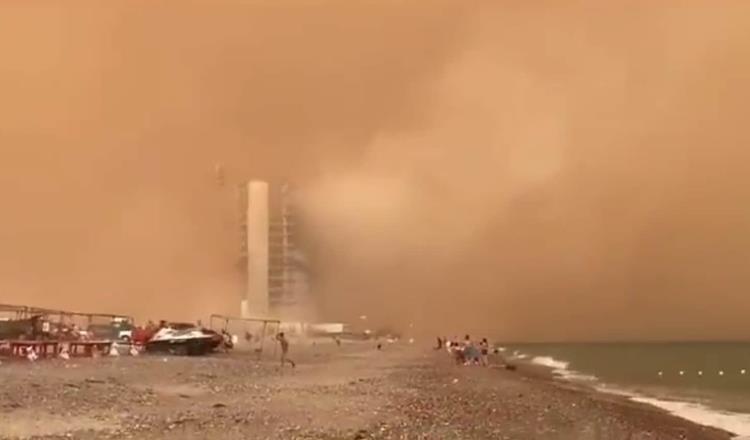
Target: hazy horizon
{"x": 525, "y": 171}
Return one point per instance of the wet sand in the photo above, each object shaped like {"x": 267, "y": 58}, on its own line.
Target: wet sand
{"x": 348, "y": 392}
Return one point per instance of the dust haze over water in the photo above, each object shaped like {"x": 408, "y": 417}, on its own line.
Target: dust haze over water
{"x": 531, "y": 172}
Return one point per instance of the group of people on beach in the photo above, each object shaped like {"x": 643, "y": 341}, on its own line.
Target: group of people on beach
{"x": 466, "y": 352}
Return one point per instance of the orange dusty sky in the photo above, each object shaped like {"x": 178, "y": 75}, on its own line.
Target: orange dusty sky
{"x": 528, "y": 171}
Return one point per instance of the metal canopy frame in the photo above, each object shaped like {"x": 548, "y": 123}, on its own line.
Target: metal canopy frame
{"x": 20, "y": 312}
{"x": 227, "y": 319}
{"x": 23, "y": 312}
{"x": 88, "y": 317}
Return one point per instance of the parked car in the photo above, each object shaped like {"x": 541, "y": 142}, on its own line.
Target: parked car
{"x": 114, "y": 331}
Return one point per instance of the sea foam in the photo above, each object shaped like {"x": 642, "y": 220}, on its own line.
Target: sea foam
{"x": 550, "y": 362}
{"x": 736, "y": 423}
{"x": 560, "y": 368}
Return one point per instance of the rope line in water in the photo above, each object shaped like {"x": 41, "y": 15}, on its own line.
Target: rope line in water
{"x": 742, "y": 372}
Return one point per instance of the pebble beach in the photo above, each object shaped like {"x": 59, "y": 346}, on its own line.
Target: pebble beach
{"x": 350, "y": 392}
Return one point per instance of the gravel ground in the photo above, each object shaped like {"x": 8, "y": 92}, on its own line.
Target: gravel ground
{"x": 349, "y": 392}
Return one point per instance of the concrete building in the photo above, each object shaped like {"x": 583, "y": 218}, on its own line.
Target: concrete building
{"x": 275, "y": 268}
{"x": 256, "y": 225}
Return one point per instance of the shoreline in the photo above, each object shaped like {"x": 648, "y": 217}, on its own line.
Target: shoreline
{"x": 640, "y": 418}
{"x": 693, "y": 410}
{"x": 349, "y": 392}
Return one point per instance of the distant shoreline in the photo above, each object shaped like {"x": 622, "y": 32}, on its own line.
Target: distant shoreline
{"x": 585, "y": 410}
{"x": 629, "y": 342}
{"x": 624, "y": 401}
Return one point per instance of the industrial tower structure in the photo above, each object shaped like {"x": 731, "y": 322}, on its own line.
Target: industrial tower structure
{"x": 276, "y": 283}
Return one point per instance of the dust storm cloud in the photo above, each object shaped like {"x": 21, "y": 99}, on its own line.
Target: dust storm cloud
{"x": 526, "y": 171}
{"x": 114, "y": 118}
{"x": 578, "y": 176}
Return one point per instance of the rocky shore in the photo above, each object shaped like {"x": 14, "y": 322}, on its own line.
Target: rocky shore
{"x": 348, "y": 392}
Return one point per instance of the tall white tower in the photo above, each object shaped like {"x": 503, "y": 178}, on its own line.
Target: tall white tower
{"x": 257, "y": 227}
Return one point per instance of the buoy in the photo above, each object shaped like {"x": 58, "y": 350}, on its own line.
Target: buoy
{"x": 700, "y": 373}
{"x": 743, "y": 371}
{"x": 661, "y": 373}
{"x": 721, "y": 373}
{"x": 682, "y": 373}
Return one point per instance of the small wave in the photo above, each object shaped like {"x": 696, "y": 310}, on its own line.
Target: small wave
{"x": 604, "y": 388}
{"x": 575, "y": 376}
{"x": 518, "y": 355}
{"x": 550, "y": 362}
{"x": 736, "y": 423}
{"x": 560, "y": 369}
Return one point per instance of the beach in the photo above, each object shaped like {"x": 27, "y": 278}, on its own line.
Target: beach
{"x": 350, "y": 392}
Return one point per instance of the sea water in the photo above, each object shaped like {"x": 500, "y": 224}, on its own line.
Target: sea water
{"x": 705, "y": 382}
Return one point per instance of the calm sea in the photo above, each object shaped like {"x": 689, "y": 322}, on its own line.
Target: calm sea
{"x": 708, "y": 383}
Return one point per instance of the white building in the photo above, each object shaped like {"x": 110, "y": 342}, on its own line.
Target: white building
{"x": 276, "y": 270}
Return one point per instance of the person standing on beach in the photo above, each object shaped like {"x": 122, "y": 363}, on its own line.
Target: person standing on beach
{"x": 284, "y": 342}
{"x": 458, "y": 351}
{"x": 484, "y": 348}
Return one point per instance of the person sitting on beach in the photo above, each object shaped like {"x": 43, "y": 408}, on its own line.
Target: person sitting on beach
{"x": 471, "y": 355}
{"x": 284, "y": 342}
